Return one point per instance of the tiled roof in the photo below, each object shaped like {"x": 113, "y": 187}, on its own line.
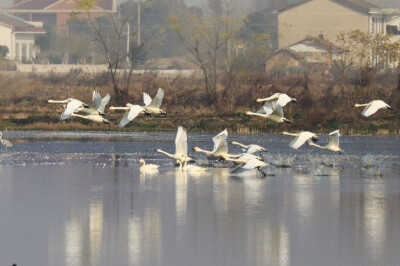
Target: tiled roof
{"x": 322, "y": 43}
{"x": 359, "y": 4}
{"x": 17, "y": 24}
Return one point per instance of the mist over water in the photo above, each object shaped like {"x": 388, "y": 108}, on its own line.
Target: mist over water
{"x": 78, "y": 198}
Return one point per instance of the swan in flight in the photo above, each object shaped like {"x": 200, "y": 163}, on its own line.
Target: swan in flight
{"x": 220, "y": 149}
{"x": 300, "y": 138}
{"x": 181, "y": 148}
{"x": 372, "y": 107}
{"x": 132, "y": 111}
{"x": 147, "y": 167}
{"x": 244, "y": 158}
{"x": 333, "y": 143}
{"x": 152, "y": 106}
{"x": 281, "y": 98}
{"x": 4, "y": 142}
{"x": 271, "y": 110}
{"x": 71, "y": 106}
{"x": 93, "y": 117}
{"x": 97, "y": 105}
{"x": 249, "y": 166}
{"x": 251, "y": 148}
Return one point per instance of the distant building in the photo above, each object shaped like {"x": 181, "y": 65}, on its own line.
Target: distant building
{"x": 310, "y": 54}
{"x": 19, "y": 36}
{"x": 56, "y": 12}
{"x": 331, "y": 17}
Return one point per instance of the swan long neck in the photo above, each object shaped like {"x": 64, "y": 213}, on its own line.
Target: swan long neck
{"x": 118, "y": 108}
{"x": 240, "y": 144}
{"x": 166, "y": 153}
{"x": 316, "y": 145}
{"x": 262, "y": 99}
{"x": 197, "y": 149}
{"x": 290, "y": 134}
{"x": 78, "y": 115}
{"x": 256, "y": 114}
{"x": 58, "y": 101}
{"x": 361, "y": 105}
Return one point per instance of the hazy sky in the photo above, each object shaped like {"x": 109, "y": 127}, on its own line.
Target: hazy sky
{"x": 248, "y": 5}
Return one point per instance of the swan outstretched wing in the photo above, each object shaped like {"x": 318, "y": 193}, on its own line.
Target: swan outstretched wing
{"x": 134, "y": 111}
{"x": 298, "y": 141}
{"x": 220, "y": 142}
{"x": 70, "y": 108}
{"x": 334, "y": 138}
{"x": 254, "y": 148}
{"x": 104, "y": 102}
{"x": 277, "y": 109}
{"x": 283, "y": 99}
{"x": 181, "y": 142}
{"x": 96, "y": 100}
{"x": 156, "y": 102}
{"x": 146, "y": 99}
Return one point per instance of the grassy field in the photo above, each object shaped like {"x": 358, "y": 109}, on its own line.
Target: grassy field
{"x": 323, "y": 104}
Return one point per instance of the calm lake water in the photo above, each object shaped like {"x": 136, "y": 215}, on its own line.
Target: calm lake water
{"x": 78, "y": 198}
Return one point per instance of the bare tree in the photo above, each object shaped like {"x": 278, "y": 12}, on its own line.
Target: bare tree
{"x": 112, "y": 34}
{"x": 207, "y": 40}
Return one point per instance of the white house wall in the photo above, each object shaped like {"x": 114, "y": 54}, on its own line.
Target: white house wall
{"x": 7, "y": 40}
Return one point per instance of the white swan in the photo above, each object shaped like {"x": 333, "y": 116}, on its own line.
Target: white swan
{"x": 180, "y": 146}
{"x": 372, "y": 107}
{"x": 249, "y": 166}
{"x": 132, "y": 111}
{"x": 152, "y": 106}
{"x": 71, "y": 106}
{"x": 281, "y": 98}
{"x": 93, "y": 117}
{"x": 300, "y": 138}
{"x": 190, "y": 168}
{"x": 220, "y": 149}
{"x": 251, "y": 148}
{"x": 333, "y": 143}
{"x": 244, "y": 158}
{"x": 97, "y": 105}
{"x": 4, "y": 142}
{"x": 271, "y": 110}
{"x": 147, "y": 167}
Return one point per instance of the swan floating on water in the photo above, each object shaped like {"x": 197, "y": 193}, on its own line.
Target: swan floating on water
{"x": 333, "y": 143}
{"x": 181, "y": 148}
{"x": 300, "y": 138}
{"x": 190, "y": 168}
{"x": 372, "y": 107}
{"x": 4, "y": 142}
{"x": 147, "y": 167}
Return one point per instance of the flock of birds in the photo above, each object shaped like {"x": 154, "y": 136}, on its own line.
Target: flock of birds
{"x": 250, "y": 159}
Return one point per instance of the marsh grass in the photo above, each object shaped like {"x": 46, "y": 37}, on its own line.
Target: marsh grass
{"x": 323, "y": 105}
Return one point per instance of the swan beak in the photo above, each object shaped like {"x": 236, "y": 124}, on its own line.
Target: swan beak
{"x": 288, "y": 121}
{"x": 390, "y": 108}
{"x": 163, "y": 113}
{"x": 294, "y": 100}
